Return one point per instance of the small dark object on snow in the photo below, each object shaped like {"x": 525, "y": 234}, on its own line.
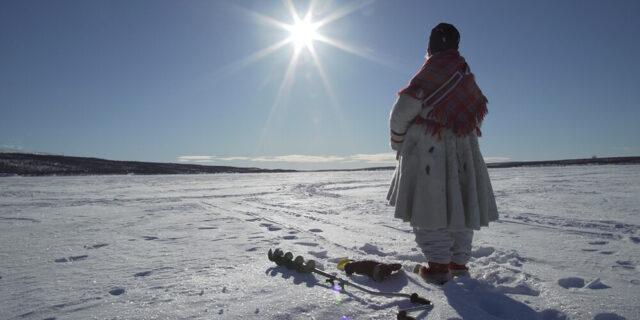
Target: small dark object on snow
{"x": 374, "y": 269}
{"x": 286, "y": 259}
{"x": 116, "y": 291}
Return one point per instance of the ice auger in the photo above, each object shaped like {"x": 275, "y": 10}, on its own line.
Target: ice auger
{"x": 298, "y": 264}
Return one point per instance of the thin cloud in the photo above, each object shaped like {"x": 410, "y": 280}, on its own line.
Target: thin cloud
{"x": 387, "y": 157}
{"x": 380, "y": 158}
{"x": 375, "y": 158}
{"x": 195, "y": 158}
{"x": 298, "y": 158}
{"x": 10, "y": 148}
{"x": 496, "y": 159}
{"x": 234, "y": 159}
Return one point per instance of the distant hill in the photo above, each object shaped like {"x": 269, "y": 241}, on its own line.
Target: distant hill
{"x": 41, "y": 164}
{"x": 32, "y": 164}
{"x": 612, "y": 160}
{"x": 569, "y": 162}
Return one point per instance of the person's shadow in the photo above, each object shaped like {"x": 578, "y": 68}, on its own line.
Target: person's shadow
{"x": 473, "y": 299}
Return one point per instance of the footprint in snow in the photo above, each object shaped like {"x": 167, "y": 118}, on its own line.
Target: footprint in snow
{"x": 608, "y": 316}
{"x": 289, "y": 237}
{"x": 70, "y": 259}
{"x": 482, "y": 252}
{"x": 142, "y": 274}
{"x": 307, "y": 244}
{"x": 521, "y": 289}
{"x": 116, "y": 291}
{"x": 576, "y": 282}
{"x": 270, "y": 227}
{"x": 319, "y": 254}
{"x": 624, "y": 264}
{"x": 635, "y": 239}
{"x": 148, "y": 238}
{"x": 316, "y": 230}
{"x": 96, "y": 246}
{"x": 598, "y": 243}
{"x": 372, "y": 249}
{"x": 571, "y": 282}
{"x": 595, "y": 284}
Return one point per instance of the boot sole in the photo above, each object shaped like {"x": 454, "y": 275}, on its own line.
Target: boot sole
{"x": 440, "y": 279}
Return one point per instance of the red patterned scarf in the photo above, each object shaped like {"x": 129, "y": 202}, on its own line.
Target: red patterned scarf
{"x": 462, "y": 109}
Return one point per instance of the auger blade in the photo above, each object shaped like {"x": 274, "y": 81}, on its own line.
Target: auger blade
{"x": 277, "y": 257}
{"x": 287, "y": 260}
{"x": 288, "y": 255}
{"x": 309, "y": 266}
{"x": 298, "y": 263}
{"x": 270, "y": 255}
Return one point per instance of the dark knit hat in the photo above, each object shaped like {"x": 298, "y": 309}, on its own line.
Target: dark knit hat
{"x": 443, "y": 37}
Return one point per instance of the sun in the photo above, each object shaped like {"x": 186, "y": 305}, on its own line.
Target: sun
{"x": 303, "y": 32}
{"x": 302, "y": 35}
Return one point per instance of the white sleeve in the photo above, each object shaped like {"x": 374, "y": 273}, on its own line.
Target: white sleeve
{"x": 405, "y": 109}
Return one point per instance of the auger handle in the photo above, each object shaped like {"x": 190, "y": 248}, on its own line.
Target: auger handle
{"x": 415, "y": 298}
{"x": 402, "y": 315}
{"x": 286, "y": 260}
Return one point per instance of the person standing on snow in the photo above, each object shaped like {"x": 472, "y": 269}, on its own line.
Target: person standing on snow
{"x": 441, "y": 184}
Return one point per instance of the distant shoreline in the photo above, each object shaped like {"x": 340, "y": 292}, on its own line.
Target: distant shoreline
{"x": 568, "y": 162}
{"x": 546, "y": 163}
{"x": 26, "y": 164}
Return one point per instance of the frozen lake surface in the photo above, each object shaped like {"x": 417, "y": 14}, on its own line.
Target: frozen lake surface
{"x": 194, "y": 247}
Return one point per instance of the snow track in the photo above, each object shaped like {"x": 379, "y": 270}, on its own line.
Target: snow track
{"x": 175, "y": 247}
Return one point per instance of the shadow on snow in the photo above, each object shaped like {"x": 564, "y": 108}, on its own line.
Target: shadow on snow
{"x": 473, "y": 299}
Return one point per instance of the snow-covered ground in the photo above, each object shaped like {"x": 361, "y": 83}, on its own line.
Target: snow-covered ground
{"x": 178, "y": 247}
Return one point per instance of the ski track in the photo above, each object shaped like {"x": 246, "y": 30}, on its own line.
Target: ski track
{"x": 164, "y": 245}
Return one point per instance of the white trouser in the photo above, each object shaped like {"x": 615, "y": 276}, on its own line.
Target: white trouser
{"x": 443, "y": 246}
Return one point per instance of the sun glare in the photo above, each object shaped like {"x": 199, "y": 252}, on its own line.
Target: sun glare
{"x": 302, "y": 35}
{"x": 303, "y": 32}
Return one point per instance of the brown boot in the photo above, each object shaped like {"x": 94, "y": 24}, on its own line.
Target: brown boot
{"x": 458, "y": 270}
{"x": 437, "y": 273}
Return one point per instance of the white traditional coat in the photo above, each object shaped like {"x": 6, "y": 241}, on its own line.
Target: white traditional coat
{"x": 438, "y": 183}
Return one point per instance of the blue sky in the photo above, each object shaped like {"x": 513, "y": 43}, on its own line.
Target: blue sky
{"x": 186, "y": 81}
